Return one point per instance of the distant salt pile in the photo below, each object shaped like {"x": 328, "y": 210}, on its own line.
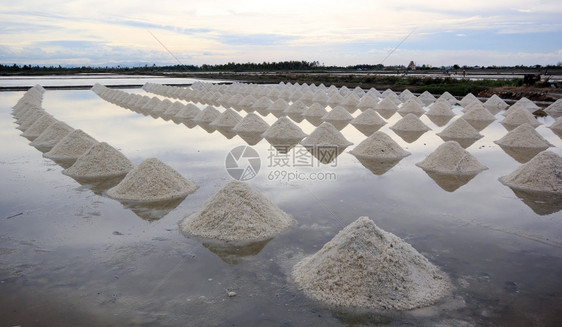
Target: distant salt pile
{"x": 173, "y": 109}
{"x": 516, "y": 117}
{"x": 394, "y": 98}
{"x": 284, "y": 130}
{"x": 477, "y": 112}
{"x": 555, "y": 109}
{"x": 30, "y": 117}
{"x": 251, "y": 124}
{"x": 410, "y": 123}
{"x": 100, "y": 161}
{"x": 320, "y": 97}
{"x": 151, "y": 104}
{"x": 440, "y": 109}
{"x": 237, "y": 213}
{"x": 367, "y": 267}
{"x": 338, "y": 114}
{"x": 495, "y": 104}
{"x": 326, "y": 135}
{"x": 351, "y": 101}
{"x": 530, "y": 105}
{"x": 556, "y": 127}
{"x": 460, "y": 129}
{"x": 543, "y": 173}
{"x": 39, "y": 126}
{"x": 379, "y": 146}
{"x": 427, "y": 98}
{"x": 296, "y": 108}
{"x": 152, "y": 181}
{"x": 278, "y": 106}
{"x": 387, "y": 105}
{"x": 163, "y": 106}
{"x": 188, "y": 111}
{"x": 315, "y": 110}
{"x": 72, "y": 146}
{"x": 448, "y": 97}
{"x": 451, "y": 158}
{"x": 374, "y": 92}
{"x": 228, "y": 118}
{"x": 335, "y": 99}
{"x": 368, "y": 118}
{"x": 262, "y": 103}
{"x": 368, "y": 101}
{"x": 411, "y": 107}
{"x": 467, "y": 99}
{"x": 207, "y": 115}
{"x": 406, "y": 95}
{"x": 524, "y": 136}
{"x": 51, "y": 135}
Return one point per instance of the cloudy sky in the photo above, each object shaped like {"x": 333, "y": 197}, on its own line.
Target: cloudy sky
{"x": 437, "y": 32}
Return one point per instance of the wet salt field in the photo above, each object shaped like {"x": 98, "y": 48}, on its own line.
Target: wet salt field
{"x": 70, "y": 255}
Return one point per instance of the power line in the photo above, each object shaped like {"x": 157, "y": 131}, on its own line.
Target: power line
{"x": 162, "y": 44}
{"x": 399, "y": 44}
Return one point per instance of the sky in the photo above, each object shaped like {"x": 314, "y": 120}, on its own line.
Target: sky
{"x": 342, "y": 33}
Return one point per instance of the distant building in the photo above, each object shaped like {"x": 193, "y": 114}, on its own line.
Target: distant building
{"x": 412, "y": 65}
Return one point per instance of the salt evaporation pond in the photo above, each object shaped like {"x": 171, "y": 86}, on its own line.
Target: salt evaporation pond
{"x": 70, "y": 255}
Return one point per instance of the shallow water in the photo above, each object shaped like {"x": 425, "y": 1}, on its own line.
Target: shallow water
{"x": 70, "y": 255}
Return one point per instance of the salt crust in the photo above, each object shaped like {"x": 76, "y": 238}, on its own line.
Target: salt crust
{"x": 251, "y": 123}
{"x": 71, "y": 146}
{"x": 460, "y": 129}
{"x": 237, "y": 212}
{"x": 410, "y": 123}
{"x": 524, "y": 136}
{"x": 282, "y": 129}
{"x": 100, "y": 161}
{"x": 365, "y": 266}
{"x": 368, "y": 117}
{"x": 451, "y": 158}
{"x": 152, "y": 181}
{"x": 379, "y": 146}
{"x": 52, "y": 135}
{"x": 326, "y": 135}
{"x": 543, "y": 173}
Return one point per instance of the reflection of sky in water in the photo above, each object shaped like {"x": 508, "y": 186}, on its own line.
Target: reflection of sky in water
{"x": 479, "y": 228}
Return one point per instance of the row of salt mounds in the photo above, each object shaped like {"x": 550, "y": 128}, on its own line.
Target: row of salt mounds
{"x": 251, "y": 124}
{"x": 364, "y": 266}
{"x": 71, "y": 146}
{"x": 237, "y": 213}
{"x": 100, "y": 161}
{"x": 543, "y": 173}
{"x": 152, "y": 181}
{"x": 51, "y": 136}
{"x": 518, "y": 116}
{"x": 39, "y": 126}
{"x": 31, "y": 97}
{"x": 379, "y": 146}
{"x": 451, "y": 158}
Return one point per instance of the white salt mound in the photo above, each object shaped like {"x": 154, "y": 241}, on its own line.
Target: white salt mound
{"x": 30, "y": 118}
{"x": 467, "y": 99}
{"x": 410, "y": 123}
{"x": 530, "y": 105}
{"x": 251, "y": 123}
{"x": 338, "y": 114}
{"x": 229, "y": 118}
{"x": 365, "y": 266}
{"x": 379, "y": 146}
{"x": 557, "y": 125}
{"x": 326, "y": 135}
{"x": 460, "y": 129}
{"x": 440, "y": 108}
{"x": 524, "y": 136}
{"x": 100, "y": 161}
{"x": 315, "y": 110}
{"x": 207, "y": 115}
{"x": 39, "y": 126}
{"x": 278, "y": 106}
{"x": 518, "y": 116}
{"x": 478, "y": 112}
{"x": 188, "y": 111}
{"x": 237, "y": 212}
{"x": 451, "y": 158}
{"x": 297, "y": 108}
{"x": 427, "y": 98}
{"x": 52, "y": 135}
{"x": 387, "y": 105}
{"x": 411, "y": 106}
{"x": 495, "y": 102}
{"x": 368, "y": 117}
{"x": 555, "y": 109}
{"x": 71, "y": 146}
{"x": 543, "y": 173}
{"x": 152, "y": 181}
{"x": 284, "y": 129}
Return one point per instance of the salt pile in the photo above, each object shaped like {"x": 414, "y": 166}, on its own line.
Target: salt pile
{"x": 52, "y": 135}
{"x": 516, "y": 117}
{"x": 237, "y": 212}
{"x": 338, "y": 114}
{"x": 326, "y": 135}
{"x": 320, "y": 97}
{"x": 250, "y": 124}
{"x": 543, "y": 173}
{"x": 451, "y": 158}
{"x": 460, "y": 129}
{"x": 315, "y": 110}
{"x": 39, "y": 126}
{"x": 530, "y": 105}
{"x": 410, "y": 123}
{"x": 188, "y": 111}
{"x": 379, "y": 146}
{"x": 524, "y": 136}
{"x": 368, "y": 101}
{"x": 448, "y": 97}
{"x": 411, "y": 107}
{"x": 229, "y": 118}
{"x": 284, "y": 130}
{"x": 262, "y": 103}
{"x": 495, "y": 104}
{"x": 386, "y": 107}
{"x": 467, "y": 99}
{"x": 173, "y": 109}
{"x": 100, "y": 161}
{"x": 368, "y": 118}
{"x": 152, "y": 181}
{"x": 297, "y": 107}
{"x": 278, "y": 106}
{"x": 478, "y": 116}
{"x": 555, "y": 109}
{"x": 151, "y": 104}
{"x": 207, "y": 115}
{"x": 336, "y": 99}
{"x": 427, "y": 98}
{"x": 406, "y": 95}
{"x": 365, "y": 266}
{"x": 556, "y": 127}
{"x": 71, "y": 146}
{"x": 30, "y": 117}
{"x": 440, "y": 108}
